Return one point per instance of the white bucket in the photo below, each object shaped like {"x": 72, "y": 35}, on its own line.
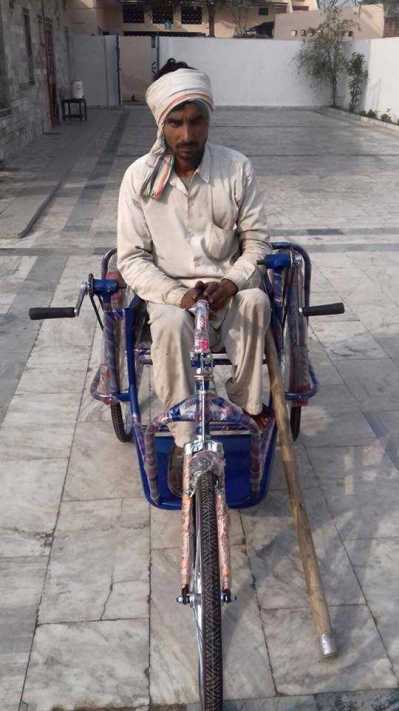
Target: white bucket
{"x": 77, "y": 90}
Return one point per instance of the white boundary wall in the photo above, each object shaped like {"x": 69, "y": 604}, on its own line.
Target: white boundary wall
{"x": 247, "y": 72}
{"x": 94, "y": 61}
{"x": 382, "y": 91}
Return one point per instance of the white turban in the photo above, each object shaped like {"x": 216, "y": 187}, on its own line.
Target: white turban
{"x": 162, "y": 97}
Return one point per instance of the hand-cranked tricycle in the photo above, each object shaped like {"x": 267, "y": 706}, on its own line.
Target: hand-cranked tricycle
{"x": 228, "y": 462}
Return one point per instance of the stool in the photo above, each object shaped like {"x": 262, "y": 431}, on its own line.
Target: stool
{"x": 69, "y": 112}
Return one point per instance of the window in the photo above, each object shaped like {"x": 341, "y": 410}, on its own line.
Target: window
{"x": 28, "y": 45}
{"x": 191, "y": 15}
{"x": 302, "y": 8}
{"x": 263, "y": 11}
{"x": 162, "y": 14}
{"x": 133, "y": 13}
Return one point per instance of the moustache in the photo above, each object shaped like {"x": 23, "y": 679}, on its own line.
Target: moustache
{"x": 187, "y": 145}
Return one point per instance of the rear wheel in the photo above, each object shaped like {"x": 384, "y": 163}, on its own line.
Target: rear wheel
{"x": 122, "y": 421}
{"x": 294, "y": 357}
{"x": 295, "y": 421}
{"x": 206, "y": 596}
{"x": 120, "y": 411}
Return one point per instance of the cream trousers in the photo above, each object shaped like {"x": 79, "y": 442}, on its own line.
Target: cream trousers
{"x": 240, "y": 328}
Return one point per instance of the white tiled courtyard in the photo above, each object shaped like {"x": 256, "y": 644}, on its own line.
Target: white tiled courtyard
{"x": 89, "y": 572}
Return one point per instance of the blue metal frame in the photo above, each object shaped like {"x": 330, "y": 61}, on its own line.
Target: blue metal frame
{"x": 277, "y": 262}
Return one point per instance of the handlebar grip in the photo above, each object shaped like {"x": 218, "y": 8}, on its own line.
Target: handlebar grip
{"x": 324, "y": 309}
{"x": 36, "y": 314}
{"x": 279, "y": 260}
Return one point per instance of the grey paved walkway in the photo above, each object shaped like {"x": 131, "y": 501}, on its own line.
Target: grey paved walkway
{"x": 89, "y": 573}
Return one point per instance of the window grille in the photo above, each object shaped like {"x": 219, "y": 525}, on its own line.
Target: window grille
{"x": 191, "y": 14}
{"x": 162, "y": 14}
{"x": 133, "y": 13}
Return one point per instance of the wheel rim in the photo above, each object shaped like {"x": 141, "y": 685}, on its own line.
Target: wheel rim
{"x": 125, "y": 406}
{"x": 127, "y": 417}
{"x": 196, "y": 604}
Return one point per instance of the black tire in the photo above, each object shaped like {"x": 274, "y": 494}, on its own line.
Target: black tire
{"x": 207, "y": 602}
{"x": 296, "y": 367}
{"x": 295, "y": 421}
{"x": 122, "y": 425}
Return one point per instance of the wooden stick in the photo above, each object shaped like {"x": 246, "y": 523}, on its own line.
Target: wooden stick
{"x": 318, "y": 604}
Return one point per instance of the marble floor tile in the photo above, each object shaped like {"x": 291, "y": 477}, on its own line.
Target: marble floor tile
{"x": 305, "y": 470}
{"x": 362, "y": 662}
{"x": 278, "y": 571}
{"x": 347, "y": 468}
{"x": 321, "y": 429}
{"x": 16, "y": 268}
{"x": 93, "y": 411}
{"x": 291, "y": 703}
{"x": 295, "y": 703}
{"x": 64, "y": 333}
{"x": 376, "y": 563}
{"x": 389, "y": 342}
{"x": 377, "y": 317}
{"x": 30, "y": 497}
{"x": 349, "y": 339}
{"x": 166, "y": 528}
{"x": 374, "y": 383}
{"x": 386, "y": 620}
{"x": 173, "y": 672}
{"x": 326, "y": 372}
{"x": 101, "y": 467}
{"x": 99, "y": 562}
{"x": 359, "y": 701}
{"x": 386, "y": 427}
{"x": 246, "y": 667}
{"x": 365, "y": 512}
{"x": 272, "y": 517}
{"x": 45, "y": 356}
{"x": 30, "y": 442}
{"x": 355, "y": 287}
{"x": 107, "y": 661}
{"x": 42, "y": 409}
{"x": 57, "y": 379}
{"x": 275, "y": 559}
{"x": 334, "y": 399}
{"x": 21, "y": 582}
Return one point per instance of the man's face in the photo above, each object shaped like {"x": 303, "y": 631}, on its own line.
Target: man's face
{"x": 186, "y": 131}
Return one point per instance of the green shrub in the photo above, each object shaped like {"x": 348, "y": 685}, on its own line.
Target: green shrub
{"x": 358, "y": 74}
{"x": 372, "y": 114}
{"x": 387, "y": 116}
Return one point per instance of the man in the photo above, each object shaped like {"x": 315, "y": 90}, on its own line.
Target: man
{"x": 191, "y": 225}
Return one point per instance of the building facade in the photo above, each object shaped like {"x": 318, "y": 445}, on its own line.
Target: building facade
{"x": 33, "y": 69}
{"x": 368, "y": 23}
{"x": 219, "y": 19}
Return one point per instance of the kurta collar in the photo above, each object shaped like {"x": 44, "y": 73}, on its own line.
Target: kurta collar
{"x": 203, "y": 171}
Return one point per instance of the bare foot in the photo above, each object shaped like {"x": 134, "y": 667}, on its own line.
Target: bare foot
{"x": 262, "y": 419}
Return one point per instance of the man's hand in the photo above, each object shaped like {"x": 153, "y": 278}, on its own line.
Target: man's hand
{"x": 218, "y": 293}
{"x": 192, "y": 295}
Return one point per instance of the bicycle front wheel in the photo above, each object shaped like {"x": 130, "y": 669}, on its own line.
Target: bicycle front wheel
{"x": 206, "y": 596}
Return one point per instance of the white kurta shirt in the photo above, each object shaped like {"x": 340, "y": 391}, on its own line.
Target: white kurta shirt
{"x": 216, "y": 228}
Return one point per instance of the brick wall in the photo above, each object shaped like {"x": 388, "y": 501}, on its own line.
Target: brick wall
{"x": 24, "y": 96}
